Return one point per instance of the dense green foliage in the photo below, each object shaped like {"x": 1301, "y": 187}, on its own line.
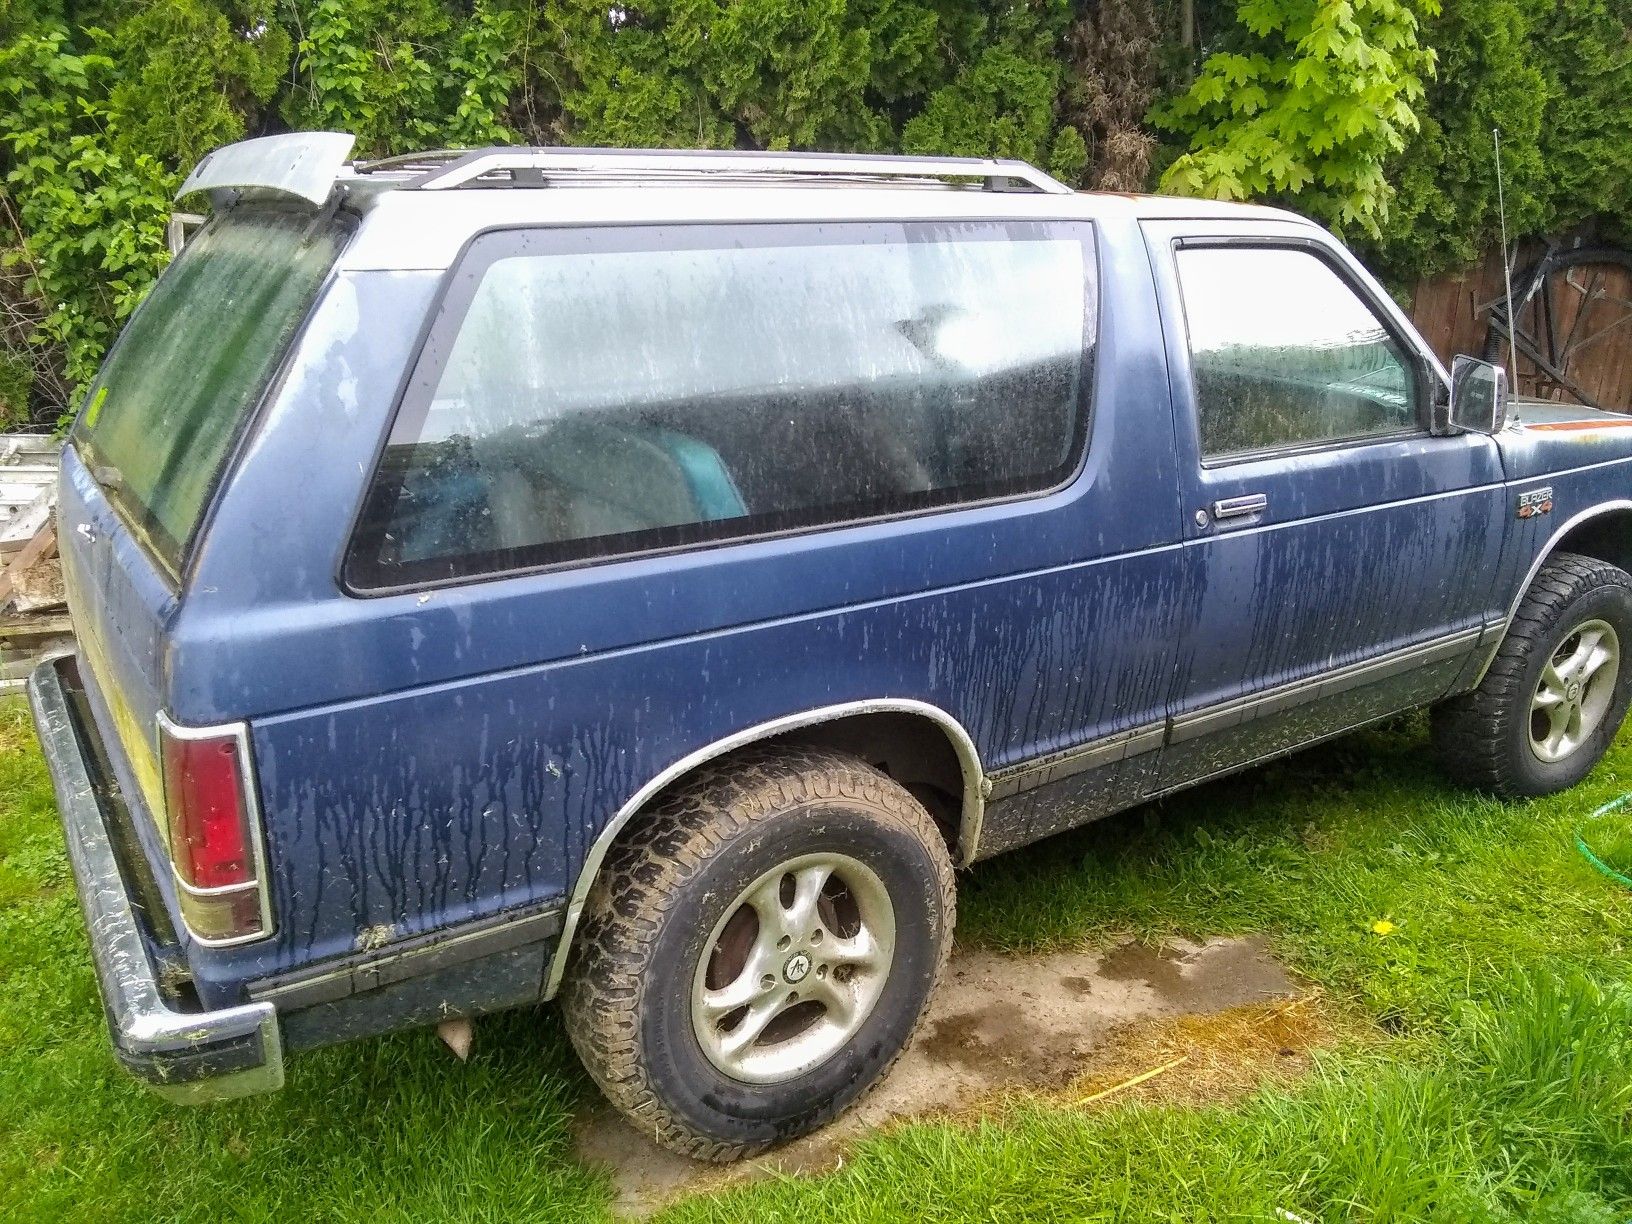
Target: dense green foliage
{"x": 1556, "y": 78}
{"x": 1310, "y": 107}
{"x": 1372, "y": 115}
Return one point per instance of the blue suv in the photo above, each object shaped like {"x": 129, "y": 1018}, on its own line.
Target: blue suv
{"x": 645, "y": 577}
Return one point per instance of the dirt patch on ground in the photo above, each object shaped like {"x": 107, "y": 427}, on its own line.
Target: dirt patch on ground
{"x": 1069, "y": 1026}
{"x": 1207, "y": 1058}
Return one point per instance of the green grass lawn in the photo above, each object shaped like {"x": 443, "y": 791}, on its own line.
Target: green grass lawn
{"x": 1494, "y": 1081}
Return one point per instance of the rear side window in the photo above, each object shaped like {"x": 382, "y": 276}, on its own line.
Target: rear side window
{"x": 592, "y": 393}
{"x": 194, "y": 358}
{"x": 1286, "y": 353}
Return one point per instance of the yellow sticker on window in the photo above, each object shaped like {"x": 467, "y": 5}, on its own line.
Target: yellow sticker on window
{"x": 95, "y": 409}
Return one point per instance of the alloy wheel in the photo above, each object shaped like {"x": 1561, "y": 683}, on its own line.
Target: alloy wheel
{"x": 794, "y": 968}
{"x": 1575, "y": 690}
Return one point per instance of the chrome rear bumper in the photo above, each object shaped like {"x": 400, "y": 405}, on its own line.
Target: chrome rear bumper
{"x": 190, "y": 1057}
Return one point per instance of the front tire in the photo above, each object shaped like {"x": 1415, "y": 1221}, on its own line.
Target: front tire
{"x": 759, "y": 949}
{"x": 1555, "y": 694}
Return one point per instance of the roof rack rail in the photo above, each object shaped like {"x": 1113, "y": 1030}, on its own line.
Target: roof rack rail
{"x": 399, "y": 161}
{"x": 443, "y": 169}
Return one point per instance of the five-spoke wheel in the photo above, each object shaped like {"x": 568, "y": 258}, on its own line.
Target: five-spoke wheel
{"x": 1555, "y": 692}
{"x": 1576, "y": 690}
{"x": 794, "y": 968}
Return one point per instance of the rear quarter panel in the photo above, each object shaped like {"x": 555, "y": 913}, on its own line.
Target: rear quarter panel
{"x": 430, "y": 757}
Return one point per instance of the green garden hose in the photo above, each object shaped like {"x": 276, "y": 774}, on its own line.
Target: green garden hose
{"x": 1614, "y": 805}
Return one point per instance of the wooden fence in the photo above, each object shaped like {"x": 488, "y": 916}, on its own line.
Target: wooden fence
{"x": 1450, "y": 311}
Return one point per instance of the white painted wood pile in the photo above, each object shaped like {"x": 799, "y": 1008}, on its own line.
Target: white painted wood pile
{"x": 33, "y": 615}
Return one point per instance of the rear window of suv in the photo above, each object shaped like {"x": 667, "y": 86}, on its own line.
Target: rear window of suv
{"x": 193, "y": 361}
{"x": 585, "y": 394}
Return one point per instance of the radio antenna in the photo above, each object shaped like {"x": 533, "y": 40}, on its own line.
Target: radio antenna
{"x": 1507, "y": 262}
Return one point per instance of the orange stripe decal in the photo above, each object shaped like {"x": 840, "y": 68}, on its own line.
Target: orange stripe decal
{"x": 1571, "y": 425}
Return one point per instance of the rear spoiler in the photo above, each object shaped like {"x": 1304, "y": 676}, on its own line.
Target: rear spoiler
{"x": 300, "y": 164}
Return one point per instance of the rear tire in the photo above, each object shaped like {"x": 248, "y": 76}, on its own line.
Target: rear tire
{"x": 793, "y": 893}
{"x": 1555, "y": 693}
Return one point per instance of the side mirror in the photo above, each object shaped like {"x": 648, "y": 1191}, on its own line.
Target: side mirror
{"x": 1479, "y": 401}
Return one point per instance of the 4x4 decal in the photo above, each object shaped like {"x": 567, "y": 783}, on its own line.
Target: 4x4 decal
{"x": 1536, "y": 501}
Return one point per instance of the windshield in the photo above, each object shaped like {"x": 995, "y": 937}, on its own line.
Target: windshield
{"x": 192, "y": 362}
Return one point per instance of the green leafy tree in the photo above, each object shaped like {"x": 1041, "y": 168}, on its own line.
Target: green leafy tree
{"x": 1004, "y": 99}
{"x": 1003, "y": 105}
{"x": 92, "y": 216}
{"x": 633, "y": 78}
{"x": 908, "y": 44}
{"x": 1330, "y": 106}
{"x": 404, "y": 74}
{"x": 1306, "y": 109}
{"x": 789, "y": 71}
{"x": 1445, "y": 212}
{"x": 770, "y": 74}
{"x": 162, "y": 104}
{"x": 1585, "y": 136}
{"x": 1557, "y": 80}
{"x": 482, "y": 75}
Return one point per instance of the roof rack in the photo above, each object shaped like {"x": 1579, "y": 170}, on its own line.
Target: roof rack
{"x": 307, "y": 165}
{"x": 441, "y": 170}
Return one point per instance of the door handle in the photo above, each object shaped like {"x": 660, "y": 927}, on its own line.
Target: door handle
{"x": 1241, "y": 507}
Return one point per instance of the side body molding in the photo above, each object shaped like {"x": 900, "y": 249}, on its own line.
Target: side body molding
{"x": 974, "y": 796}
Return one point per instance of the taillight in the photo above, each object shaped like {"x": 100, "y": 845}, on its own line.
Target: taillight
{"x": 214, "y": 844}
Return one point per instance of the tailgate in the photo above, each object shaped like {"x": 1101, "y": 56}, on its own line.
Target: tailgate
{"x": 156, "y": 435}
{"x": 120, "y": 603}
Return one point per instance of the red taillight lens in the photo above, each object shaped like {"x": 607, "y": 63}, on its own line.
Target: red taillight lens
{"x": 205, "y": 794}
{"x": 211, "y": 834}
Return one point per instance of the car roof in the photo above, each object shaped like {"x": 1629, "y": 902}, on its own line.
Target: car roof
{"x": 410, "y": 229}
{"x": 420, "y": 209}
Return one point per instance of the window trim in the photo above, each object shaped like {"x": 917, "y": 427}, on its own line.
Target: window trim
{"x": 1420, "y": 369}
{"x": 442, "y": 325}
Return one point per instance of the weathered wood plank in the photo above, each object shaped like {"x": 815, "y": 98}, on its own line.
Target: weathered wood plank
{"x": 31, "y": 552}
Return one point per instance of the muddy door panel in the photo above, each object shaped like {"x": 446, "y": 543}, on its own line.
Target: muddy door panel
{"x": 1344, "y": 557}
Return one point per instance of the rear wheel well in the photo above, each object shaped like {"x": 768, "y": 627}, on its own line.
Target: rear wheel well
{"x": 928, "y": 753}
{"x": 912, "y": 749}
{"x": 908, "y": 748}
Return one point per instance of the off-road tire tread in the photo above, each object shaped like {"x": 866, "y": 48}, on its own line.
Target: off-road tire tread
{"x": 643, "y": 878}
{"x": 1467, "y": 731}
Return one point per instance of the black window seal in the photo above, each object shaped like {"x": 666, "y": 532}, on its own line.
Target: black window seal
{"x": 1326, "y": 255}
{"x": 440, "y": 325}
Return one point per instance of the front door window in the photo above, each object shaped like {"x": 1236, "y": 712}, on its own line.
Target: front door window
{"x": 1286, "y": 354}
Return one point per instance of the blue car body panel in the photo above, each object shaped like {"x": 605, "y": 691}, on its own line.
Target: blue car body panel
{"x": 1362, "y": 550}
